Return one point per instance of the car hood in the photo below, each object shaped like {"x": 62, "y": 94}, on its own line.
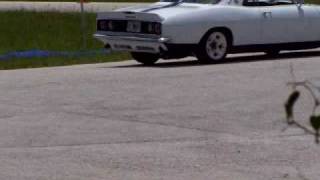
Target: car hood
{"x": 166, "y": 10}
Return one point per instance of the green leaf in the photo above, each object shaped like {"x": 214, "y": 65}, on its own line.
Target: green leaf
{"x": 292, "y": 99}
{"x": 315, "y": 122}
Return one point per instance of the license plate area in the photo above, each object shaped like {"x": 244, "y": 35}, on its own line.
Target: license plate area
{"x": 134, "y": 26}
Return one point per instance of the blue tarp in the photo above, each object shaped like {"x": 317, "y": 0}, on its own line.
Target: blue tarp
{"x": 35, "y": 53}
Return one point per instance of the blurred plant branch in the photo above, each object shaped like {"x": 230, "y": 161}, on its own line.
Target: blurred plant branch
{"x": 314, "y": 119}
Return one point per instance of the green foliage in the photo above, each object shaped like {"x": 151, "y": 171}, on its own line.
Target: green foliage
{"x": 293, "y": 98}
{"x": 60, "y": 61}
{"x": 315, "y": 123}
{"x": 89, "y": 0}
{"x": 289, "y": 105}
{"x": 313, "y": 1}
{"x": 22, "y": 30}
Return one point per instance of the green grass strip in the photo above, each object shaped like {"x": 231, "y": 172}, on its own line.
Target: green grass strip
{"x": 85, "y": 1}
{"x": 60, "y": 61}
{"x": 21, "y": 30}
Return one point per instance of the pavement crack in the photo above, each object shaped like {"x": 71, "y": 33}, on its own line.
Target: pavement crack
{"x": 177, "y": 140}
{"x": 146, "y": 122}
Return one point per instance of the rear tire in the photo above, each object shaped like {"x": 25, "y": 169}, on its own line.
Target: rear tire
{"x": 213, "y": 48}
{"x": 145, "y": 58}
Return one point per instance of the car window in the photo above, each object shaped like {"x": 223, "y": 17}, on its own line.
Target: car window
{"x": 266, "y": 2}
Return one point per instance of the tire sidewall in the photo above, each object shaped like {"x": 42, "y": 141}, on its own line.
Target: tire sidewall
{"x": 202, "y": 53}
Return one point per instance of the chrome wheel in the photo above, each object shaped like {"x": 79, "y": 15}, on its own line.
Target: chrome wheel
{"x": 216, "y": 46}
{"x": 213, "y": 47}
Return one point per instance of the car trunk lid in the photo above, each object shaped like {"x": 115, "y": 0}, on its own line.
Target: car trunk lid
{"x": 131, "y": 16}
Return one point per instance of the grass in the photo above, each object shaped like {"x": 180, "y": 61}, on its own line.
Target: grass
{"x": 54, "y": 61}
{"x": 22, "y": 30}
{"x": 88, "y": 0}
{"x": 313, "y": 1}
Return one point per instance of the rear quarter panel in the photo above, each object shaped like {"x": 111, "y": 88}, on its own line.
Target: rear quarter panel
{"x": 244, "y": 23}
{"x": 315, "y": 22}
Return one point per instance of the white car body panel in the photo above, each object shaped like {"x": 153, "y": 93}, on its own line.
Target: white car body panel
{"x": 187, "y": 23}
{"x": 290, "y": 23}
{"x": 238, "y": 21}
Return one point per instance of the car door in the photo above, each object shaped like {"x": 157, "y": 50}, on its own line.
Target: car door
{"x": 312, "y": 22}
{"x": 276, "y": 22}
{"x": 286, "y": 23}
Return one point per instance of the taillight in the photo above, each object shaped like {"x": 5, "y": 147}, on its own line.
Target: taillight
{"x": 154, "y": 28}
{"x": 110, "y": 25}
{"x": 157, "y": 28}
{"x": 102, "y": 25}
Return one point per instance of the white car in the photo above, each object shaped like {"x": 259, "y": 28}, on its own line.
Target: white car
{"x": 209, "y": 29}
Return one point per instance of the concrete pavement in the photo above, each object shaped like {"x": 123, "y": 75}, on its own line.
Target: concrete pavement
{"x": 177, "y": 120}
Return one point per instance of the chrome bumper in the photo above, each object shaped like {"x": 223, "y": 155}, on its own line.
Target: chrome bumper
{"x": 133, "y": 44}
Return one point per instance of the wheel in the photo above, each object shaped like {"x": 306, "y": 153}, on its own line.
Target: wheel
{"x": 145, "y": 58}
{"x": 272, "y": 52}
{"x": 213, "y": 47}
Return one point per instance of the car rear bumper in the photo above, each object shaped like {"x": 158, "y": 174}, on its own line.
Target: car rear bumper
{"x": 134, "y": 44}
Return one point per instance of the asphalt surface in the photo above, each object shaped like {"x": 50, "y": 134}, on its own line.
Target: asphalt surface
{"x": 63, "y": 6}
{"x": 177, "y": 120}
